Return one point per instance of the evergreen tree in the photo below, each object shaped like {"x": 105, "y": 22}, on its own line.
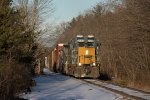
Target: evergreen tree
{"x": 17, "y": 49}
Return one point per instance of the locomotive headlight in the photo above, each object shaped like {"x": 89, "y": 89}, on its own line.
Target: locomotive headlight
{"x": 86, "y": 52}
{"x": 79, "y": 64}
{"x": 94, "y": 64}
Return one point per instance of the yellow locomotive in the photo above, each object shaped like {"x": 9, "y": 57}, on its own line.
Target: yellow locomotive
{"x": 80, "y": 57}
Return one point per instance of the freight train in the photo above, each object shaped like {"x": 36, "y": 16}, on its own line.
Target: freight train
{"x": 78, "y": 58}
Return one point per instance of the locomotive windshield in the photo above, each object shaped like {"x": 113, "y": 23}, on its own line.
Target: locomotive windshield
{"x": 80, "y": 41}
{"x": 90, "y": 42}
{"x": 81, "y": 44}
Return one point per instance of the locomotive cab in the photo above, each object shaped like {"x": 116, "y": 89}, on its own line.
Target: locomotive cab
{"x": 86, "y": 57}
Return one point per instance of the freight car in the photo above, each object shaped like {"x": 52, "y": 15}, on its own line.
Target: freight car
{"x": 79, "y": 57}
{"x": 56, "y": 58}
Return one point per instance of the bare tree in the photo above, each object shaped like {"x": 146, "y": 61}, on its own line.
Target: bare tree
{"x": 19, "y": 28}
{"x": 34, "y": 12}
{"x": 122, "y": 26}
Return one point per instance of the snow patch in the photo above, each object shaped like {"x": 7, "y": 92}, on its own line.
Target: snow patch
{"x": 59, "y": 87}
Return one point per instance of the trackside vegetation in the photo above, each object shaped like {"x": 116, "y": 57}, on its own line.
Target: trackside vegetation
{"x": 18, "y": 45}
{"x": 122, "y": 27}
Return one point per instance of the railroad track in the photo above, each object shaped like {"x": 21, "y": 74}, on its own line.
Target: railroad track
{"x": 127, "y": 92}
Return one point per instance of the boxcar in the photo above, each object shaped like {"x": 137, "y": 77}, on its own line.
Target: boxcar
{"x": 56, "y": 58}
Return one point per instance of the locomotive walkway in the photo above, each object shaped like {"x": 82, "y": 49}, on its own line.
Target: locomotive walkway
{"x": 60, "y": 87}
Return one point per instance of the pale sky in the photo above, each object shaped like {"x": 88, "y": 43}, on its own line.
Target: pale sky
{"x": 65, "y": 10}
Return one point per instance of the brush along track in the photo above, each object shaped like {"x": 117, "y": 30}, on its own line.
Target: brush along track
{"x": 132, "y": 93}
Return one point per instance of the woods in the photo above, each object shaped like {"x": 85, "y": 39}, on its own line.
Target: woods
{"x": 122, "y": 27}
{"x": 19, "y": 30}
